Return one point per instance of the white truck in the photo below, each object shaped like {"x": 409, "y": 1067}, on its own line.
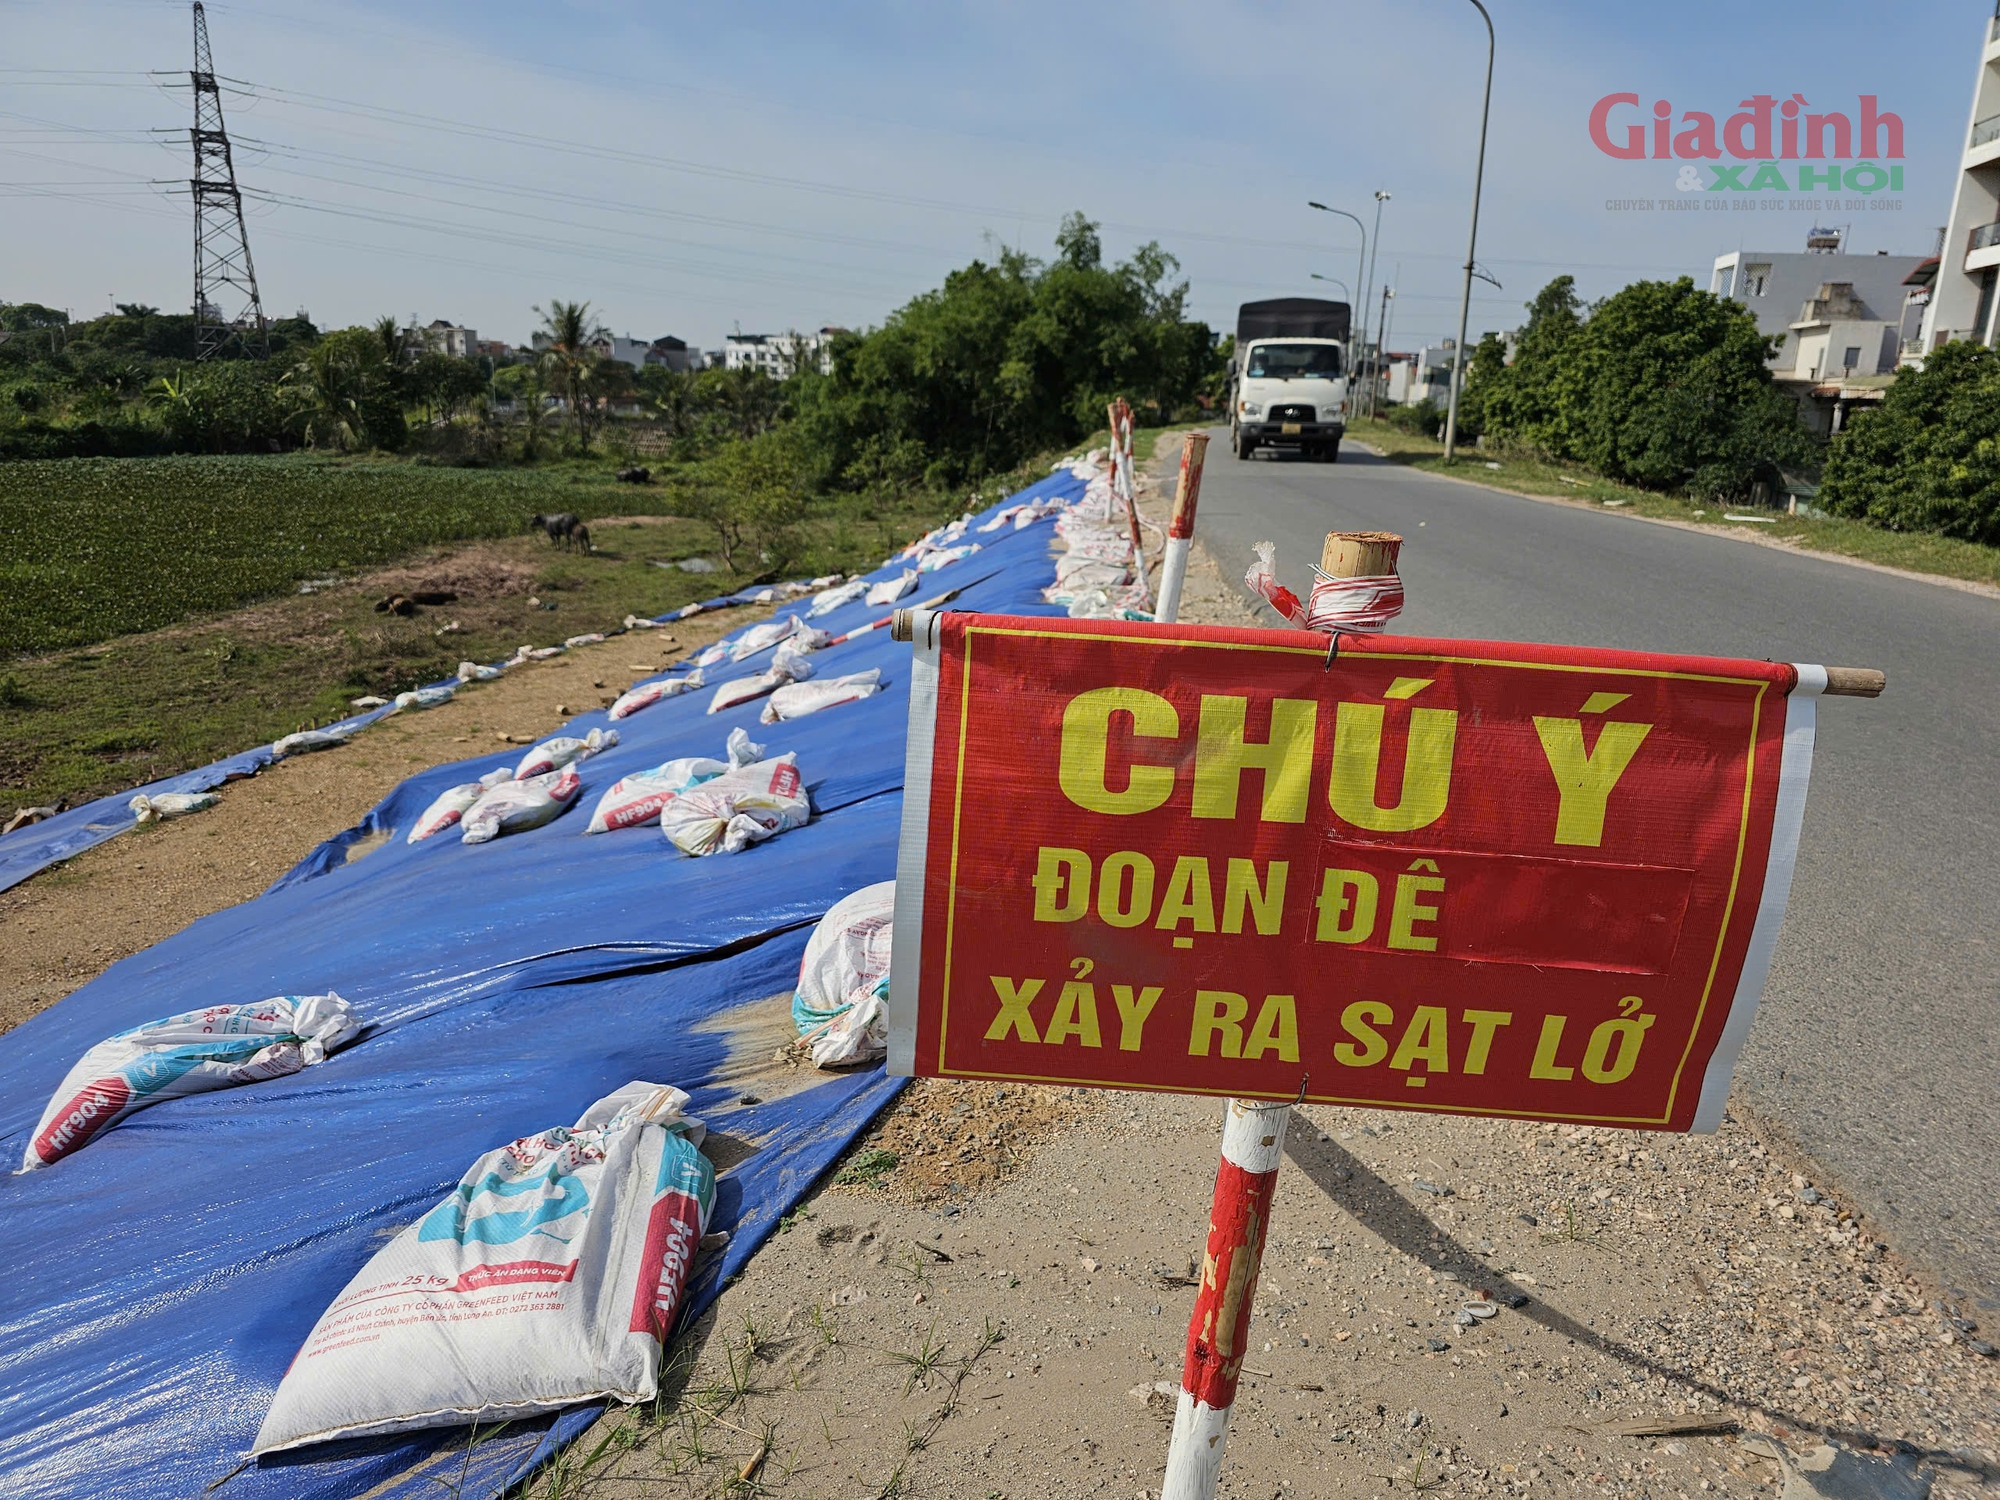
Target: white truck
{"x": 1288, "y": 380}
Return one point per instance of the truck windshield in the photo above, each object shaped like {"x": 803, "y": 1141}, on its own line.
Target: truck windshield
{"x": 1294, "y": 362}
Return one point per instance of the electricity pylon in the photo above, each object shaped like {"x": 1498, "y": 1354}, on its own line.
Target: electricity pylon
{"x": 221, "y": 245}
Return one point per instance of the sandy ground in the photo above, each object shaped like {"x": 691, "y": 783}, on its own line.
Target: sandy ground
{"x": 994, "y": 1301}
{"x": 70, "y": 923}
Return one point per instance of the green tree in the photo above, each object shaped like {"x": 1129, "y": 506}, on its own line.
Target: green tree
{"x": 753, "y": 494}
{"x": 1516, "y": 402}
{"x": 525, "y": 386}
{"x": 1666, "y": 385}
{"x": 345, "y": 392}
{"x": 1008, "y": 359}
{"x": 1929, "y": 458}
{"x": 227, "y": 407}
{"x": 571, "y": 364}
{"x": 1660, "y": 385}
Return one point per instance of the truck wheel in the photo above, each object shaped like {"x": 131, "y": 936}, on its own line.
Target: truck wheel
{"x": 1244, "y": 447}
{"x": 1332, "y": 451}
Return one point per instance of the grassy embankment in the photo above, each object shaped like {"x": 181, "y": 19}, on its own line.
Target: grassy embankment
{"x": 1919, "y": 552}
{"x": 154, "y": 621}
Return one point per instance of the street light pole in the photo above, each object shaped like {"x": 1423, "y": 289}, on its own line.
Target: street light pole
{"x": 1368, "y": 297}
{"x": 1471, "y": 249}
{"x": 1359, "y": 261}
{"x": 1381, "y": 347}
{"x": 1336, "y": 281}
{"x": 1388, "y": 321}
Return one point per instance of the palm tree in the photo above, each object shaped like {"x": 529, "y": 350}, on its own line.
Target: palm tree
{"x": 568, "y": 331}
{"x": 390, "y": 336}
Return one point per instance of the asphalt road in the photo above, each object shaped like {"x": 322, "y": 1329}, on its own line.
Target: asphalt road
{"x": 1878, "y": 1046}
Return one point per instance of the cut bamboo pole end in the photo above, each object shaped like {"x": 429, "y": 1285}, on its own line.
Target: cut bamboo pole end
{"x": 1359, "y": 554}
{"x": 1854, "y": 682}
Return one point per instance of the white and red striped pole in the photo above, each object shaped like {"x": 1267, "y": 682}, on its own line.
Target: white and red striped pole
{"x": 1180, "y": 528}
{"x": 1253, "y": 1143}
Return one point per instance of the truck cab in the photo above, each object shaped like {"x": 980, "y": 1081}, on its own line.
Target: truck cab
{"x": 1288, "y": 377}
{"x": 1291, "y": 393}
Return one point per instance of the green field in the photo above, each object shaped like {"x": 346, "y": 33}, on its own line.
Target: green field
{"x": 153, "y": 621}
{"x": 97, "y": 548}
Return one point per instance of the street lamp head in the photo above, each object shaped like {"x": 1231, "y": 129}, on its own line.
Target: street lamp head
{"x": 1320, "y": 206}
{"x": 1381, "y": 197}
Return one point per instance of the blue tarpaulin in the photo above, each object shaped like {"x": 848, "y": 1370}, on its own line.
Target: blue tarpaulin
{"x": 162, "y": 1278}
{"x": 28, "y": 851}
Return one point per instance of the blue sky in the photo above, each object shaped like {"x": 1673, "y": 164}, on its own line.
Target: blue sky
{"x": 691, "y": 169}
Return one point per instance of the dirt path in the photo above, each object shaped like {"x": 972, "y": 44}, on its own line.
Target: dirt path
{"x": 70, "y": 923}
{"x": 994, "y": 1303}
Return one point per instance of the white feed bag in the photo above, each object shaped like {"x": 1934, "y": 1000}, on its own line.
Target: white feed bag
{"x": 742, "y": 808}
{"x": 550, "y": 1275}
{"x": 517, "y": 806}
{"x": 797, "y": 699}
{"x": 191, "y": 1053}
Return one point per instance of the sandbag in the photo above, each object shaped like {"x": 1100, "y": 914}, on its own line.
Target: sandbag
{"x": 472, "y": 671}
{"x": 791, "y": 631}
{"x": 828, "y": 600}
{"x": 646, "y": 694}
{"x": 162, "y": 805}
{"x": 797, "y": 699}
{"x": 453, "y": 803}
{"x": 787, "y": 665}
{"x": 191, "y": 1053}
{"x": 430, "y": 697}
{"x": 944, "y": 557}
{"x": 517, "y": 806}
{"x": 840, "y": 1003}
{"x": 553, "y": 755}
{"x": 735, "y": 811}
{"x": 894, "y": 589}
{"x": 634, "y": 801}
{"x": 550, "y": 1275}
{"x": 310, "y": 739}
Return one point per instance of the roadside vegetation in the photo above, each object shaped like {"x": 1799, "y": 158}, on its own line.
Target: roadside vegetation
{"x": 1529, "y": 474}
{"x": 1659, "y": 398}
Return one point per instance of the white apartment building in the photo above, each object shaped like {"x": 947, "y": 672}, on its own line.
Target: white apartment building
{"x": 444, "y": 337}
{"x": 1962, "y": 301}
{"x": 1795, "y": 293}
{"x": 778, "y": 354}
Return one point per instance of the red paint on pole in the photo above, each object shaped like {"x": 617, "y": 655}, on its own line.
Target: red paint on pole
{"x": 1188, "y": 492}
{"x": 1219, "y": 1332}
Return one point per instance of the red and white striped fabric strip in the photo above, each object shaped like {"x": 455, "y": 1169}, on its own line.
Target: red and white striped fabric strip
{"x": 1361, "y": 605}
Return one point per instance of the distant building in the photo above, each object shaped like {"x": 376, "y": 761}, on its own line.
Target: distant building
{"x": 493, "y": 349}
{"x": 1849, "y": 321}
{"x": 778, "y": 354}
{"x": 622, "y": 348}
{"x": 445, "y": 337}
{"x": 672, "y": 353}
{"x": 1422, "y": 376}
{"x": 1777, "y": 286}
{"x": 1962, "y": 302}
